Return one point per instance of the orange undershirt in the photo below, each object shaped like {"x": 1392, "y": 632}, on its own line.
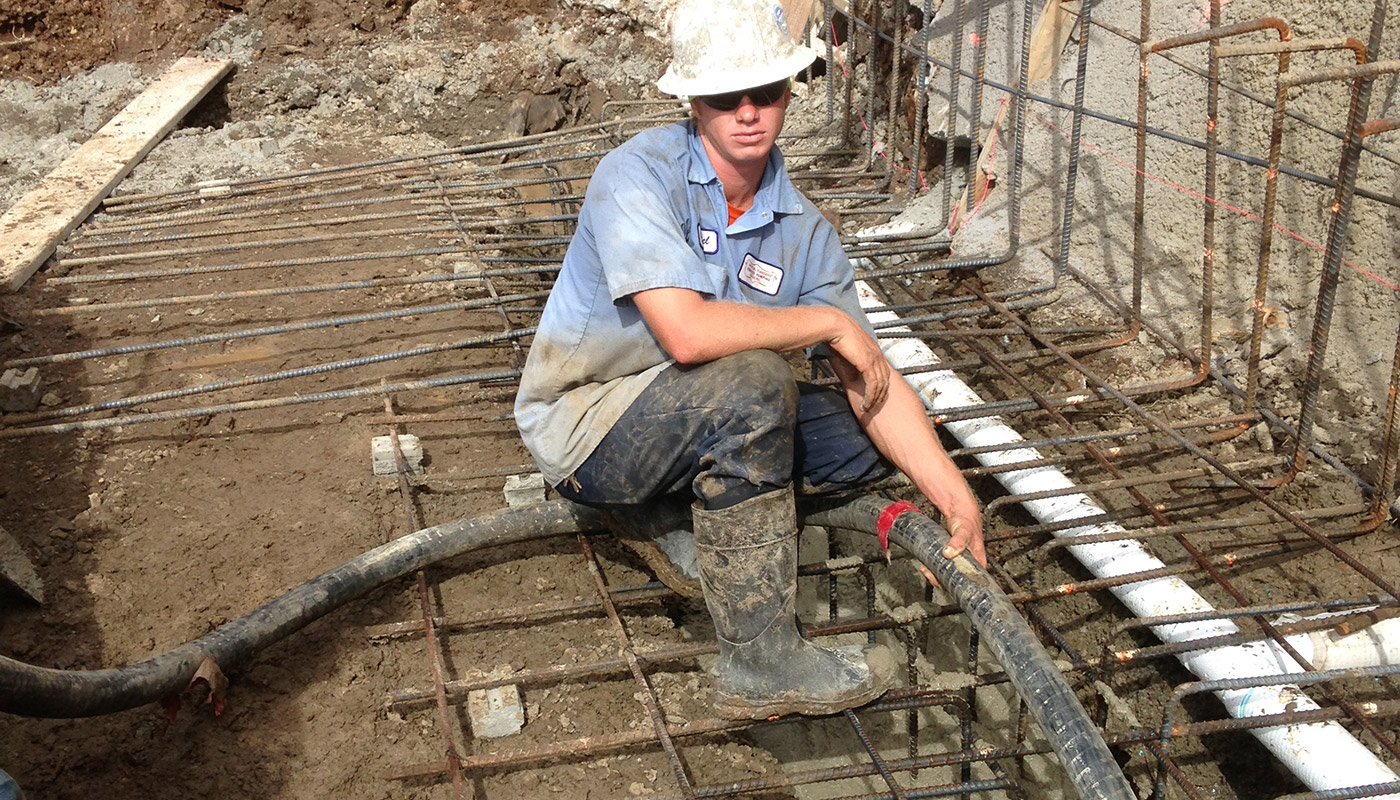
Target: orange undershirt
{"x": 734, "y": 213}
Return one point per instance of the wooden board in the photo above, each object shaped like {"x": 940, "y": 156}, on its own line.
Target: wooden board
{"x": 31, "y": 230}
{"x": 799, "y": 14}
{"x": 1048, "y": 39}
{"x": 17, "y": 571}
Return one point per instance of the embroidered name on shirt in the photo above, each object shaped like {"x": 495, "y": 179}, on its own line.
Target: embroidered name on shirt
{"x": 760, "y": 275}
{"x": 709, "y": 241}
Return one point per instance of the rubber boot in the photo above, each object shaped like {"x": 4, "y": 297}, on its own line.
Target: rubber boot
{"x": 658, "y": 533}
{"x": 747, "y": 556}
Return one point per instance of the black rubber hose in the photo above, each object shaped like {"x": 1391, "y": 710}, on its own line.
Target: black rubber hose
{"x": 41, "y": 692}
{"x": 1087, "y": 760}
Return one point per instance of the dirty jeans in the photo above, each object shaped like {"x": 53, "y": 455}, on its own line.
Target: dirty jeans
{"x": 724, "y": 432}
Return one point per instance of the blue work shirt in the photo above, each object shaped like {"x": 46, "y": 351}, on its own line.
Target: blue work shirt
{"x": 654, "y": 216}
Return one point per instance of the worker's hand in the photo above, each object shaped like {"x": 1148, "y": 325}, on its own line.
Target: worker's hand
{"x": 861, "y": 365}
{"x": 964, "y": 523}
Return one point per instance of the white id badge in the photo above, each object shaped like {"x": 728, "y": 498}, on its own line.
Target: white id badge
{"x": 760, "y": 275}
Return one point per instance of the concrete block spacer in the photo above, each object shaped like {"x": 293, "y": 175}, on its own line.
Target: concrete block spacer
{"x": 495, "y": 712}
{"x": 20, "y": 391}
{"x": 382, "y": 454}
{"x": 524, "y": 490}
{"x": 467, "y": 279}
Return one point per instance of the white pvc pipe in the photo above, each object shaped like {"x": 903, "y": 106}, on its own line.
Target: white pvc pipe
{"x": 1323, "y": 755}
{"x": 1374, "y": 646}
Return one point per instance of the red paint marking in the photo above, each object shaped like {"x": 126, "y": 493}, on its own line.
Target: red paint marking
{"x": 1314, "y": 245}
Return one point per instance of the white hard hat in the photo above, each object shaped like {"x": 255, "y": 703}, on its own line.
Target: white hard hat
{"x": 720, "y": 46}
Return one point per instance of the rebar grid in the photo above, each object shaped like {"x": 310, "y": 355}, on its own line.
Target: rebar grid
{"x": 1227, "y": 484}
{"x": 660, "y": 733}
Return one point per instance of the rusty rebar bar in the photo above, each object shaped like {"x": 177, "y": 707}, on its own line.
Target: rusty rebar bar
{"x": 648, "y": 694}
{"x": 415, "y": 523}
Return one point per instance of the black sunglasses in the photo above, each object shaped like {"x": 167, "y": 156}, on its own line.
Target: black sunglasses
{"x": 765, "y": 95}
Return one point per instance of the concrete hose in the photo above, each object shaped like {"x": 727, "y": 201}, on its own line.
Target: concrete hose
{"x": 1085, "y": 757}
{"x": 40, "y": 692}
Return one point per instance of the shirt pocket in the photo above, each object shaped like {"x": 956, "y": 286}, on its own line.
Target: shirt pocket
{"x": 720, "y": 279}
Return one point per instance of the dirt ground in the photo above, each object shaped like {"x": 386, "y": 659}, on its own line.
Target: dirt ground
{"x": 149, "y": 536}
{"x": 47, "y": 41}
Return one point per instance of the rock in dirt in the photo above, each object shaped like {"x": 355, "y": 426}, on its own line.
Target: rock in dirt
{"x": 534, "y": 113}
{"x": 518, "y": 114}
{"x": 20, "y": 389}
{"x": 545, "y": 114}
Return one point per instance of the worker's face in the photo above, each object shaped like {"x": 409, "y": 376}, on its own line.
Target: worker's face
{"x": 744, "y": 134}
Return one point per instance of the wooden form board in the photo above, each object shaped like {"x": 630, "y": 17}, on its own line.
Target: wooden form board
{"x": 31, "y": 229}
{"x": 799, "y": 13}
{"x": 1048, "y": 40}
{"x": 17, "y": 571}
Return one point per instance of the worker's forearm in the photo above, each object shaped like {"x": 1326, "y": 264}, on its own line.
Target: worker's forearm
{"x": 901, "y": 430}
{"x": 694, "y": 330}
{"x": 717, "y": 328}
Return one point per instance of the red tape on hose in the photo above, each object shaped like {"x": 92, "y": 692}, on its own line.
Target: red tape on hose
{"x": 886, "y": 521}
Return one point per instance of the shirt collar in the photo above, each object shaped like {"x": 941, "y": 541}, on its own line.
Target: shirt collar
{"x": 775, "y": 192}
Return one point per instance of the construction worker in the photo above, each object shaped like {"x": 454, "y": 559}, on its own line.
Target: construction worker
{"x": 655, "y": 370}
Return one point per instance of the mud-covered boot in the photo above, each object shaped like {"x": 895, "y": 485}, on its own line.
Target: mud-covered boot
{"x": 659, "y": 532}
{"x": 747, "y": 556}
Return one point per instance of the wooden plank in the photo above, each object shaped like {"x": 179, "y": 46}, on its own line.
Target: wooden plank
{"x": 982, "y": 182}
{"x": 17, "y": 571}
{"x": 31, "y": 229}
{"x": 799, "y": 14}
{"x": 1048, "y": 39}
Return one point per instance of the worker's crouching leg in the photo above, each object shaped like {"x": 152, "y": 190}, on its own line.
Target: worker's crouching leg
{"x": 726, "y": 431}
{"x": 723, "y": 430}
{"x": 747, "y": 555}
